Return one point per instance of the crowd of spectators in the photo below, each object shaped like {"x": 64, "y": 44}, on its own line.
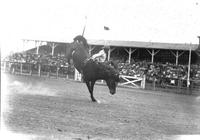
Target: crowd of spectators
{"x": 58, "y": 60}
{"x": 153, "y": 71}
{"x": 157, "y": 71}
{"x": 48, "y": 62}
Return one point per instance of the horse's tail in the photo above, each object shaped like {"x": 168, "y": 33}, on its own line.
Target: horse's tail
{"x": 80, "y": 38}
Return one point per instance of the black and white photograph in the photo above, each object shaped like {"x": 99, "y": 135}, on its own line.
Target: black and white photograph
{"x": 100, "y": 69}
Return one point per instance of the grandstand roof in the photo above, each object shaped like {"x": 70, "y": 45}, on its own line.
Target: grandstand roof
{"x": 140, "y": 44}
{"x": 136, "y": 44}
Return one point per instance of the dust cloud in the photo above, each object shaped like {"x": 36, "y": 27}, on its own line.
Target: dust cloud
{"x": 30, "y": 88}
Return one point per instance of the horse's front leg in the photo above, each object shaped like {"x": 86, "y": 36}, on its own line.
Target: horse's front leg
{"x": 90, "y": 85}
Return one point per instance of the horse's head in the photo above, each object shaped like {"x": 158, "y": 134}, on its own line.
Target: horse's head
{"x": 79, "y": 44}
{"x": 112, "y": 81}
{"x": 82, "y": 40}
{"x": 80, "y": 48}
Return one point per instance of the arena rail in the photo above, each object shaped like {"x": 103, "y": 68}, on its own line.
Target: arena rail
{"x": 133, "y": 81}
{"x": 42, "y": 70}
{"x": 31, "y": 69}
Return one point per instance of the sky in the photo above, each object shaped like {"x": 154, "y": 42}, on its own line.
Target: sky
{"x": 171, "y": 21}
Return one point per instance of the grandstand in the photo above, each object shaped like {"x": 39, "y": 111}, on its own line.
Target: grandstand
{"x": 129, "y": 50}
{"x": 162, "y": 63}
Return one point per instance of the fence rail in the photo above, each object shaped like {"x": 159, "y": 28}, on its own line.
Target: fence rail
{"x": 37, "y": 69}
{"x": 70, "y": 73}
{"x": 133, "y": 81}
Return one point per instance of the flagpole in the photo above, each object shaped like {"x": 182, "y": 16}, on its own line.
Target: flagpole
{"x": 106, "y": 29}
{"x": 106, "y": 34}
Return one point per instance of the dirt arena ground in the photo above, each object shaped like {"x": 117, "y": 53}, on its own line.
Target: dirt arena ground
{"x": 43, "y": 108}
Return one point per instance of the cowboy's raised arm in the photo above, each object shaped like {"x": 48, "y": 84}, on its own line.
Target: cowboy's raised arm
{"x": 98, "y": 54}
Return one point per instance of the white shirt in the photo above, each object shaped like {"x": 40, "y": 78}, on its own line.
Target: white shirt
{"x": 100, "y": 56}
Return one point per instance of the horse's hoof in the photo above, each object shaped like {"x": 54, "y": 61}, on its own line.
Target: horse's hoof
{"x": 98, "y": 101}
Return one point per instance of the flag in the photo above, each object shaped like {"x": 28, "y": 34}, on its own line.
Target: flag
{"x": 106, "y": 28}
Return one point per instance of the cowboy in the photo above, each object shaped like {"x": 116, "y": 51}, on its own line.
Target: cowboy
{"x": 101, "y": 55}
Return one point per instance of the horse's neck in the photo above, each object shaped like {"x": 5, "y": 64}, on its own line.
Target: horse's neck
{"x": 80, "y": 56}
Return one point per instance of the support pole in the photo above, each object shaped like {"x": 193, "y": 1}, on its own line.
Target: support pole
{"x": 37, "y": 50}
{"x": 129, "y": 56}
{"x": 53, "y": 47}
{"x": 177, "y": 57}
{"x": 109, "y": 52}
{"x": 152, "y": 56}
{"x": 189, "y": 64}
{"x": 90, "y": 50}
{"x": 130, "y": 51}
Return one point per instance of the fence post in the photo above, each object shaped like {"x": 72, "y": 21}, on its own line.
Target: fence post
{"x": 143, "y": 81}
{"x": 154, "y": 83}
{"x": 13, "y": 68}
{"x": 39, "y": 70}
{"x": 75, "y": 75}
{"x": 21, "y": 66}
{"x": 178, "y": 84}
{"x": 57, "y": 68}
{"x": 30, "y": 68}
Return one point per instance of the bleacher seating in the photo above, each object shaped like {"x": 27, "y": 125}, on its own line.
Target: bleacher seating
{"x": 159, "y": 71}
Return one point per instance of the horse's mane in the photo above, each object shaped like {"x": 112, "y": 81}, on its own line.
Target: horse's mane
{"x": 80, "y": 39}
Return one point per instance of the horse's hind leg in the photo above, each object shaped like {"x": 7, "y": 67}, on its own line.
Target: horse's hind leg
{"x": 90, "y": 86}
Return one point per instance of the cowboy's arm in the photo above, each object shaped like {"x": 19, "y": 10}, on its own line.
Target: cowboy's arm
{"x": 97, "y": 55}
